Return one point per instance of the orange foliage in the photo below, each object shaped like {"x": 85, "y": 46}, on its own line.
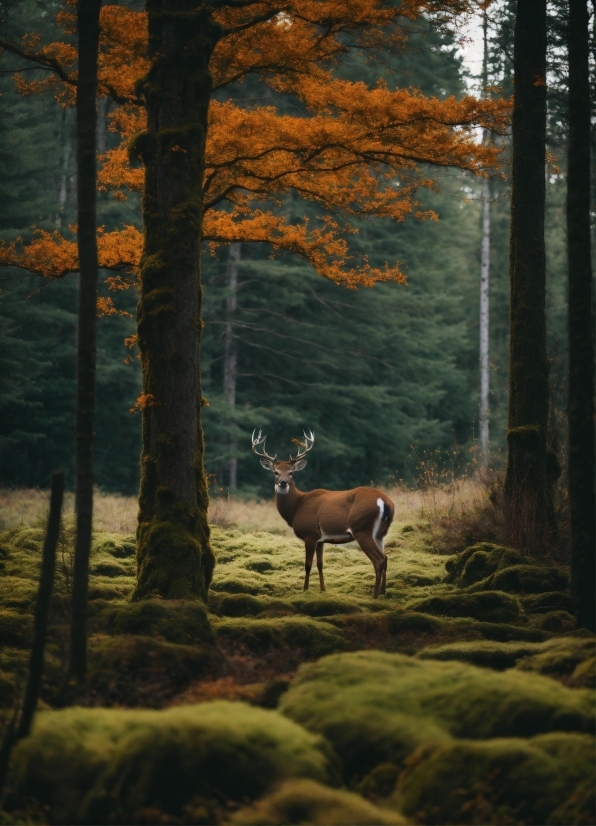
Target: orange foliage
{"x": 357, "y": 151}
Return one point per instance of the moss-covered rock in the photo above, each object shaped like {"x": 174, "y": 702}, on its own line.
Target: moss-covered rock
{"x": 98, "y": 765}
{"x": 548, "y": 779}
{"x": 135, "y": 670}
{"x": 525, "y": 579}
{"x": 298, "y": 802}
{"x": 178, "y": 621}
{"x": 115, "y": 544}
{"x": 479, "y": 561}
{"x": 491, "y": 606}
{"x": 377, "y": 708}
{"x": 486, "y": 654}
{"x": 305, "y": 636}
{"x": 548, "y": 601}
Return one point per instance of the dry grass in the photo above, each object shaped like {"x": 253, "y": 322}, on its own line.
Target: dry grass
{"x": 118, "y": 514}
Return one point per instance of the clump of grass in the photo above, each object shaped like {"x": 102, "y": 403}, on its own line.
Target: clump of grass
{"x": 98, "y": 765}
{"x": 376, "y": 707}
{"x": 298, "y": 802}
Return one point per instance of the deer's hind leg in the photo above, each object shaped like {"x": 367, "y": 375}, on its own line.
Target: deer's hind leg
{"x": 310, "y": 543}
{"x": 376, "y": 556}
{"x": 320, "y": 546}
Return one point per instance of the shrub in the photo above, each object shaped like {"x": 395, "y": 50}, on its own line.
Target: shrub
{"x": 298, "y": 802}
{"x": 99, "y": 765}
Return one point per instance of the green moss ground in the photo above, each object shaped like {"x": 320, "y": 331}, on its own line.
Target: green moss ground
{"x": 463, "y": 696}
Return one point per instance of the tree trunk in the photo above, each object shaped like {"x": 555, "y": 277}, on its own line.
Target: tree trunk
{"x": 484, "y": 281}
{"x": 526, "y": 487}
{"x": 13, "y": 732}
{"x": 580, "y": 410}
{"x": 484, "y": 326}
{"x": 88, "y": 32}
{"x": 173, "y": 552}
{"x": 231, "y": 355}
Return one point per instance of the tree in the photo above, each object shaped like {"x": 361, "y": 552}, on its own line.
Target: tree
{"x": 484, "y": 282}
{"x": 88, "y": 40}
{"x": 580, "y": 410}
{"x": 527, "y": 486}
{"x": 208, "y": 165}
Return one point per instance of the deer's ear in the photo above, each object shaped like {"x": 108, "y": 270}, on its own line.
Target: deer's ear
{"x": 301, "y": 463}
{"x": 267, "y": 463}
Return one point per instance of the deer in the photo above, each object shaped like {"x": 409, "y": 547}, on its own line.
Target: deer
{"x": 329, "y": 516}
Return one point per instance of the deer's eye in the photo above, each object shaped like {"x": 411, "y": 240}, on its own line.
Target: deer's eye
{"x": 276, "y": 472}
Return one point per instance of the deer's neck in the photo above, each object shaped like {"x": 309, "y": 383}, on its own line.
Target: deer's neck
{"x": 287, "y": 503}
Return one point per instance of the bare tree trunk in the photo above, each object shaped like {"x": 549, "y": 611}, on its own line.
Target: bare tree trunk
{"x": 174, "y": 556}
{"x": 231, "y": 354}
{"x": 88, "y": 33}
{"x": 581, "y": 407}
{"x": 484, "y": 286}
{"x": 526, "y": 487}
{"x": 42, "y": 608}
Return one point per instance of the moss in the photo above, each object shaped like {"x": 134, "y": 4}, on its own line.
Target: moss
{"x": 177, "y": 621}
{"x": 98, "y": 765}
{"x": 495, "y": 655}
{"x": 16, "y": 629}
{"x": 122, "y": 547}
{"x": 135, "y": 670}
{"x": 559, "y": 657}
{"x": 110, "y": 569}
{"x": 235, "y": 586}
{"x": 584, "y": 674}
{"x": 326, "y": 606}
{"x": 558, "y": 622}
{"x": 478, "y": 561}
{"x": 260, "y": 565}
{"x": 543, "y": 780}
{"x": 237, "y": 605}
{"x": 526, "y": 579}
{"x": 491, "y": 606}
{"x": 376, "y": 707}
{"x": 301, "y": 634}
{"x": 307, "y": 802}
{"x": 548, "y": 601}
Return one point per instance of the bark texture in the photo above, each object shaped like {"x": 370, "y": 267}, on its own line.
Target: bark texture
{"x": 88, "y": 34}
{"x": 484, "y": 282}
{"x": 526, "y": 485}
{"x": 580, "y": 411}
{"x": 173, "y": 552}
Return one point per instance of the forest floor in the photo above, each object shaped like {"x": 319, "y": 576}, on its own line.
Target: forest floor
{"x": 465, "y": 695}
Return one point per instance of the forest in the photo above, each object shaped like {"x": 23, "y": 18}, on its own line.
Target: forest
{"x": 314, "y": 229}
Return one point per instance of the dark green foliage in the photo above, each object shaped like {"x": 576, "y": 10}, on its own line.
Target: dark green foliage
{"x": 95, "y": 765}
{"x": 299, "y": 802}
{"x": 184, "y": 623}
{"x": 548, "y": 779}
{"x": 491, "y": 606}
{"x": 547, "y": 601}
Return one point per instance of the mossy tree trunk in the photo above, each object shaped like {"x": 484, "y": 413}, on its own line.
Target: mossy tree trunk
{"x": 580, "y": 411}
{"x": 526, "y": 485}
{"x": 174, "y": 556}
{"x": 88, "y": 42}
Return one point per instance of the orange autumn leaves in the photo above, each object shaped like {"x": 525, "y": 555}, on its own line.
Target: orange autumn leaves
{"x": 355, "y": 151}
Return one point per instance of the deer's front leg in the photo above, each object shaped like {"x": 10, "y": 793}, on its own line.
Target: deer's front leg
{"x": 320, "y": 546}
{"x": 309, "y": 545}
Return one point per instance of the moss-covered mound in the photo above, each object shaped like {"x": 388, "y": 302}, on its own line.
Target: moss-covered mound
{"x": 298, "y": 802}
{"x": 376, "y": 707}
{"x": 525, "y": 579}
{"x": 98, "y": 765}
{"x": 479, "y": 561}
{"x": 177, "y": 621}
{"x": 305, "y": 637}
{"x": 491, "y": 606}
{"x": 548, "y": 779}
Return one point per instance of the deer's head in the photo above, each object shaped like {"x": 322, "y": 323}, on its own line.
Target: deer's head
{"x": 282, "y": 471}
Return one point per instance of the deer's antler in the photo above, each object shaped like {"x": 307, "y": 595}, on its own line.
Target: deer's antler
{"x": 260, "y": 440}
{"x": 308, "y": 445}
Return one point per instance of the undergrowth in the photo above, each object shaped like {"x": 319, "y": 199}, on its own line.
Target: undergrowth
{"x": 465, "y": 695}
